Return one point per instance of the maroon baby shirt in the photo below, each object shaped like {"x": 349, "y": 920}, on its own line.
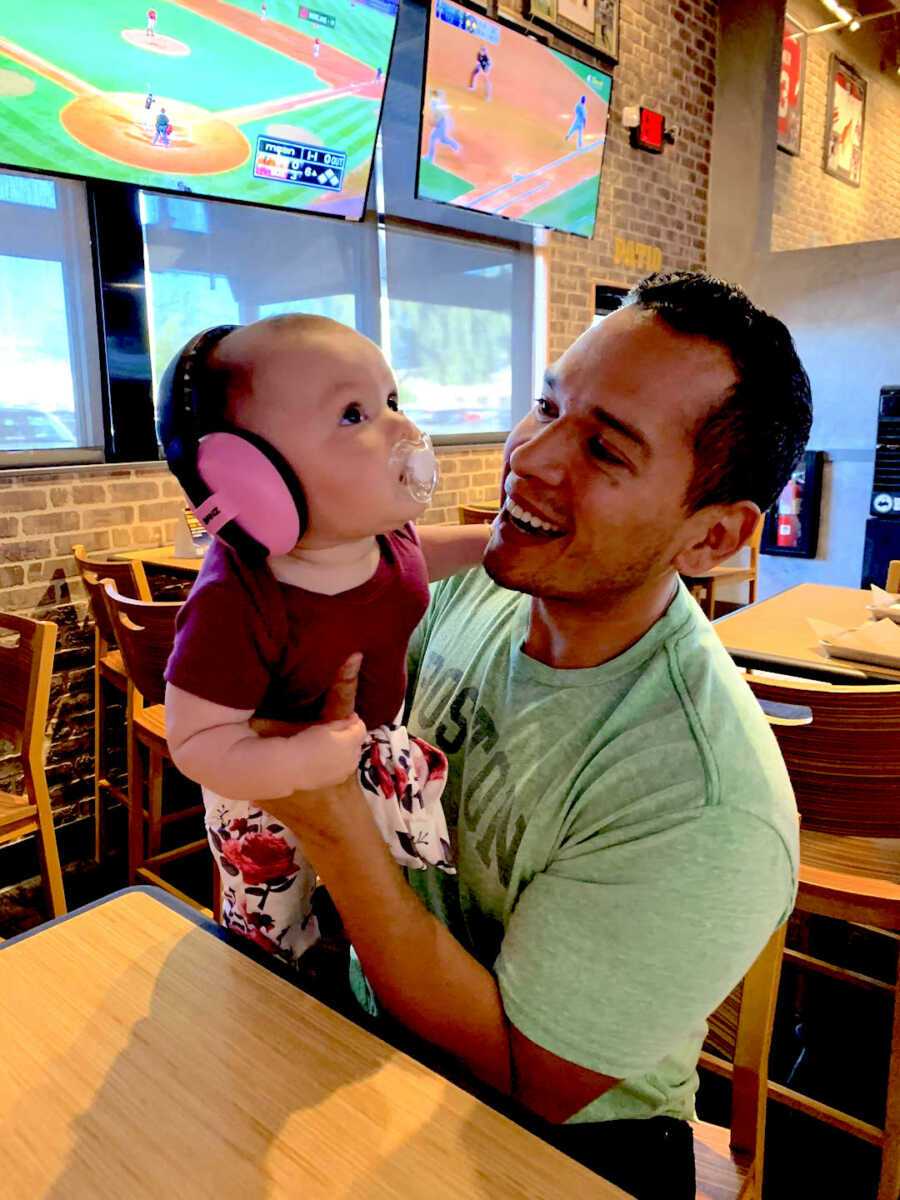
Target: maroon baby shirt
{"x": 245, "y": 640}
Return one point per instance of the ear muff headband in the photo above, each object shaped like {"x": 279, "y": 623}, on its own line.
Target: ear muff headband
{"x": 239, "y": 486}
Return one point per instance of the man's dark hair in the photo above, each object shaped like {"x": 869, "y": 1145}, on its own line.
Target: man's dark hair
{"x": 747, "y": 447}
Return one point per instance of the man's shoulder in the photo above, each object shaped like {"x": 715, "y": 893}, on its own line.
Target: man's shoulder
{"x": 742, "y": 762}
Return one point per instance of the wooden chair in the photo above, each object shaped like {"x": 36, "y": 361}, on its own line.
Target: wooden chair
{"x": 703, "y": 587}
{"x": 845, "y": 769}
{"x": 130, "y": 580}
{"x": 476, "y": 514}
{"x": 892, "y": 583}
{"x": 729, "y": 1162}
{"x": 26, "y": 665}
{"x": 145, "y": 632}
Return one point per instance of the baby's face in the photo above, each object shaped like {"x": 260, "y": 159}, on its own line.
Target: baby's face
{"x": 328, "y": 403}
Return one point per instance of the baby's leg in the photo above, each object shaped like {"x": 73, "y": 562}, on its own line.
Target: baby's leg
{"x": 267, "y": 884}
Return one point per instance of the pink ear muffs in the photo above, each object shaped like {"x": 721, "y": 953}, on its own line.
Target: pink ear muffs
{"x": 247, "y": 486}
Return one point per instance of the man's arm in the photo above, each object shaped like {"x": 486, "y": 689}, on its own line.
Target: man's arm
{"x": 420, "y": 973}
{"x": 451, "y": 548}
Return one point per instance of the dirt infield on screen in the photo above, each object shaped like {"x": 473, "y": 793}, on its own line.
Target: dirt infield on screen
{"x": 75, "y": 81}
{"x": 506, "y": 152}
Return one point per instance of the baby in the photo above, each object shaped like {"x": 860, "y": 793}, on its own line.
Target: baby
{"x": 288, "y": 441}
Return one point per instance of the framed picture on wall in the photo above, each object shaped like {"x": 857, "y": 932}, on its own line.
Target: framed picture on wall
{"x": 543, "y": 10}
{"x": 578, "y": 18}
{"x": 790, "y": 94}
{"x": 792, "y": 523}
{"x": 606, "y": 29}
{"x": 845, "y": 119}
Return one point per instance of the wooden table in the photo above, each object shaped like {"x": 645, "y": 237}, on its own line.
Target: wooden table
{"x": 142, "y": 1056}
{"x": 163, "y": 556}
{"x": 775, "y": 634}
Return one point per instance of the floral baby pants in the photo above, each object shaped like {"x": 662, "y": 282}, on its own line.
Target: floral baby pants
{"x": 267, "y": 884}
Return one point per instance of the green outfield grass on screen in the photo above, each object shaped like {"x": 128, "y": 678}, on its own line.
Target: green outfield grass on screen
{"x": 272, "y": 102}
{"x": 509, "y": 126}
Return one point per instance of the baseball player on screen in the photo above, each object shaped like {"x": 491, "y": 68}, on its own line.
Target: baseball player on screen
{"x": 579, "y": 121}
{"x": 482, "y": 67}
{"x": 441, "y": 126}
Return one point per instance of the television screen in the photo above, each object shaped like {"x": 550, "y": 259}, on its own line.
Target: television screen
{"x": 510, "y": 126}
{"x": 266, "y": 101}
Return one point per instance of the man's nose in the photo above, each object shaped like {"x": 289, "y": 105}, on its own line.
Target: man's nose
{"x": 542, "y": 454}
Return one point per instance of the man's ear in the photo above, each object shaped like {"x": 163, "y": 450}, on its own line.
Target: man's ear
{"x": 713, "y": 534}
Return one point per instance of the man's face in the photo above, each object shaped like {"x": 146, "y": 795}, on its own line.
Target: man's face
{"x": 604, "y": 459}
{"x": 328, "y": 403}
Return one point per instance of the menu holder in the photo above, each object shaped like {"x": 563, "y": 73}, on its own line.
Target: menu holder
{"x": 192, "y": 539}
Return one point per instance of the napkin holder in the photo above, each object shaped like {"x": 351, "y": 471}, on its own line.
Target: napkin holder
{"x": 191, "y": 539}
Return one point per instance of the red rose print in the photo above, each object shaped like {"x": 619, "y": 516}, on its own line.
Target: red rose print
{"x": 260, "y": 857}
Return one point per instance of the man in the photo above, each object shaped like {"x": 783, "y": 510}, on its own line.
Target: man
{"x": 441, "y": 126}
{"x": 579, "y": 120}
{"x": 482, "y": 67}
{"x": 163, "y": 128}
{"x": 625, "y": 830}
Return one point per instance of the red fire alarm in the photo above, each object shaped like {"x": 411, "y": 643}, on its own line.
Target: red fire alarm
{"x": 649, "y": 133}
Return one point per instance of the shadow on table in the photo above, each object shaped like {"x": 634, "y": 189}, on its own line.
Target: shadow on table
{"x": 188, "y": 1108}
{"x": 180, "y": 1093}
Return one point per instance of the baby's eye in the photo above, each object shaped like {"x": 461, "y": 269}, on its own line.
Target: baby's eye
{"x": 393, "y": 404}
{"x": 353, "y": 415}
{"x": 544, "y": 409}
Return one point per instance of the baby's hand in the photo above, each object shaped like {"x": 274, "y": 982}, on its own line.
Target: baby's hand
{"x": 328, "y": 753}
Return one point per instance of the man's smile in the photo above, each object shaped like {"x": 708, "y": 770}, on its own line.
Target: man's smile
{"x": 529, "y": 522}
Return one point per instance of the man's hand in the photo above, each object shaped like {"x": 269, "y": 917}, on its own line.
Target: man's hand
{"x": 331, "y": 748}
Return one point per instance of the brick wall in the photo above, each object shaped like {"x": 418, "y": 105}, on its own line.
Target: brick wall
{"x": 812, "y": 208}
{"x": 667, "y": 62}
{"x": 111, "y": 508}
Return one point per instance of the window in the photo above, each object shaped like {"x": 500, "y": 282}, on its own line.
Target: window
{"x": 49, "y": 357}
{"x": 212, "y": 263}
{"x": 458, "y": 334}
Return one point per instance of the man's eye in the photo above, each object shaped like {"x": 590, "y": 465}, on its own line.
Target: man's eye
{"x": 544, "y": 408}
{"x": 599, "y": 450}
{"x": 353, "y": 415}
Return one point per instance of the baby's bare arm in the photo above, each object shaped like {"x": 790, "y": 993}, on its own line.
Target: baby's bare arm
{"x": 217, "y": 747}
{"x": 451, "y": 548}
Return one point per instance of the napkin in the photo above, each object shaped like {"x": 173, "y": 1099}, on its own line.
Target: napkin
{"x": 883, "y": 599}
{"x": 878, "y": 637}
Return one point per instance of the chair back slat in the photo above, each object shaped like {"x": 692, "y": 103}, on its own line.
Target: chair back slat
{"x": 145, "y": 632}
{"x": 476, "y": 514}
{"x": 740, "y": 1032}
{"x": 26, "y": 666}
{"x": 129, "y": 577}
{"x": 892, "y": 583}
{"x": 845, "y": 765}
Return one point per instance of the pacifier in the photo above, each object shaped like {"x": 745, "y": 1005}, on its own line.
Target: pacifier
{"x": 417, "y": 466}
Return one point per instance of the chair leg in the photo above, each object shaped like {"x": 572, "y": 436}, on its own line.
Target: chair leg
{"x": 889, "y": 1179}
{"x": 217, "y": 893}
{"x": 48, "y": 851}
{"x": 135, "y": 806}
{"x": 154, "y": 803}
{"x": 711, "y": 599}
{"x": 99, "y": 771}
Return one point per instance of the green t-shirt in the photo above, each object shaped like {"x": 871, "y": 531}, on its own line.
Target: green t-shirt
{"x": 626, "y": 834}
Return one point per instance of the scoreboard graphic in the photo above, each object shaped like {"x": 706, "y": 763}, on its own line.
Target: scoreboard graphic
{"x": 295, "y": 162}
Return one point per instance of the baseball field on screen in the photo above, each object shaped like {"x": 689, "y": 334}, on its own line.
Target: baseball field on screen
{"x": 510, "y": 143}
{"x": 75, "y": 76}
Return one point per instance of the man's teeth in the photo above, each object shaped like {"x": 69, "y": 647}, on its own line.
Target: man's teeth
{"x": 527, "y": 518}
